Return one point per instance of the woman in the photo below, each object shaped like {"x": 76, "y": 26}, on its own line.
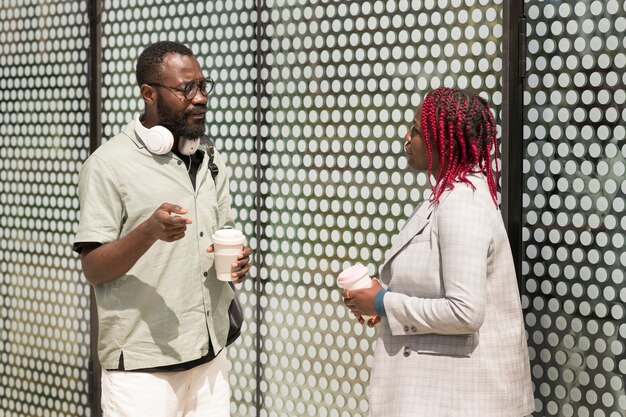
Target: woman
{"x": 452, "y": 339}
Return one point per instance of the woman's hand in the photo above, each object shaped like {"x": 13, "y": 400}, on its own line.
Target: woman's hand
{"x": 361, "y": 302}
{"x": 371, "y": 322}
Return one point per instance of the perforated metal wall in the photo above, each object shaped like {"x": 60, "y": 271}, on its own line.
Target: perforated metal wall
{"x": 342, "y": 82}
{"x": 338, "y": 85}
{"x": 44, "y": 305}
{"x": 574, "y": 199}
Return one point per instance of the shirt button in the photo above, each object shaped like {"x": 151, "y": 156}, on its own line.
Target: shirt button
{"x": 201, "y": 234}
{"x": 407, "y": 351}
{"x": 180, "y": 162}
{"x": 205, "y": 273}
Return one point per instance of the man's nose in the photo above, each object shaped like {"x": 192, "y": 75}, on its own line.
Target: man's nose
{"x": 199, "y": 99}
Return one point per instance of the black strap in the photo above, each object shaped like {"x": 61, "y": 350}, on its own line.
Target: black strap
{"x": 205, "y": 140}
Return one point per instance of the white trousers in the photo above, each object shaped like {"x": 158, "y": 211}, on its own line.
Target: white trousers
{"x": 198, "y": 392}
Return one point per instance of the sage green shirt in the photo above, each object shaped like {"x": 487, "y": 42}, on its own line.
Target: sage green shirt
{"x": 170, "y": 305}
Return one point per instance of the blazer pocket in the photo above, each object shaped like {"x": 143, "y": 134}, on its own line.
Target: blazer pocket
{"x": 448, "y": 345}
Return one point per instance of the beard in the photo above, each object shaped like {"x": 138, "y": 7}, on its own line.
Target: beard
{"x": 178, "y": 123}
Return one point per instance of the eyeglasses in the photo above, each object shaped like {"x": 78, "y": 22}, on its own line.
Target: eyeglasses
{"x": 415, "y": 131}
{"x": 189, "y": 91}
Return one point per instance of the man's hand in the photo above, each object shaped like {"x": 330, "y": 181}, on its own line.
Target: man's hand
{"x": 167, "y": 223}
{"x": 105, "y": 263}
{"x": 241, "y": 266}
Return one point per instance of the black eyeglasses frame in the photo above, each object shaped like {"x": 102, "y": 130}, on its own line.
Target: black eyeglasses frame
{"x": 191, "y": 88}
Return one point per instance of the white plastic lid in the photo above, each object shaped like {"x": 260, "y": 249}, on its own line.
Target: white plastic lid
{"x": 228, "y": 237}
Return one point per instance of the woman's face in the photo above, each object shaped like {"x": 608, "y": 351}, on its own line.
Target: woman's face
{"x": 415, "y": 146}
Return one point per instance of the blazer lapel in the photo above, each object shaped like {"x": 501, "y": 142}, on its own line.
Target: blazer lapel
{"x": 414, "y": 225}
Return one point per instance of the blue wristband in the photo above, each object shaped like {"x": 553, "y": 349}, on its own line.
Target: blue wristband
{"x": 379, "y": 304}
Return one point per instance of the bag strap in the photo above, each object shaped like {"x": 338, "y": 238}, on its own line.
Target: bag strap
{"x": 235, "y": 312}
{"x": 205, "y": 140}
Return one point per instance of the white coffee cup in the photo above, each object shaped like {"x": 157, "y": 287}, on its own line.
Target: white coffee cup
{"x": 355, "y": 277}
{"x": 228, "y": 243}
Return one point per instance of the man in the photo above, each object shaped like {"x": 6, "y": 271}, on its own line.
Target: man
{"x": 149, "y": 206}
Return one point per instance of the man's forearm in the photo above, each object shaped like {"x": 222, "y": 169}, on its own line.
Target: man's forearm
{"x": 112, "y": 260}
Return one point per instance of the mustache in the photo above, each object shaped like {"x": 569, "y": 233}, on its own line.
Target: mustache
{"x": 196, "y": 109}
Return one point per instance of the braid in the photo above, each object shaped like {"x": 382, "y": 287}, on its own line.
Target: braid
{"x": 462, "y": 128}
{"x": 428, "y": 119}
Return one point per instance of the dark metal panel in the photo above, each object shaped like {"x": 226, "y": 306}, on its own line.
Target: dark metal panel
{"x": 95, "y": 139}
{"x": 512, "y": 125}
{"x": 95, "y": 74}
{"x": 258, "y": 227}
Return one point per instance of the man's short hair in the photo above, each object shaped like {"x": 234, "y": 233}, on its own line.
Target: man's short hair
{"x": 148, "y": 67}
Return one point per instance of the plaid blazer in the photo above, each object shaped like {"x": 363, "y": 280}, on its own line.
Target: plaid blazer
{"x": 453, "y": 342}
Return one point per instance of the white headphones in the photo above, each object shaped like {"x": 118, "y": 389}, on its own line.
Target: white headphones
{"x": 159, "y": 140}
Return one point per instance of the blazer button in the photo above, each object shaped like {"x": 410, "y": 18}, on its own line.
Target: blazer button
{"x": 414, "y": 329}
{"x": 407, "y": 351}
{"x": 406, "y": 329}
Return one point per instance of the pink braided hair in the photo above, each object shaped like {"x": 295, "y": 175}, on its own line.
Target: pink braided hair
{"x": 462, "y": 128}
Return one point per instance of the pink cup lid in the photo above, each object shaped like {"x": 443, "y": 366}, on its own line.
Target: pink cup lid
{"x": 351, "y": 275}
{"x": 228, "y": 237}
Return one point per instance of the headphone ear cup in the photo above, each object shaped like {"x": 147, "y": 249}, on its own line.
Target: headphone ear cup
{"x": 188, "y": 146}
{"x": 157, "y": 139}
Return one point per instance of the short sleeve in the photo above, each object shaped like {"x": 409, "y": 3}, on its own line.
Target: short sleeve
{"x": 102, "y": 211}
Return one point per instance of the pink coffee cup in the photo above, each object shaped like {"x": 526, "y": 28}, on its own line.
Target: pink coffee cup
{"x": 355, "y": 277}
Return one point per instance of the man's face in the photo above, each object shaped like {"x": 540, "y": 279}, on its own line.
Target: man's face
{"x": 181, "y": 116}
